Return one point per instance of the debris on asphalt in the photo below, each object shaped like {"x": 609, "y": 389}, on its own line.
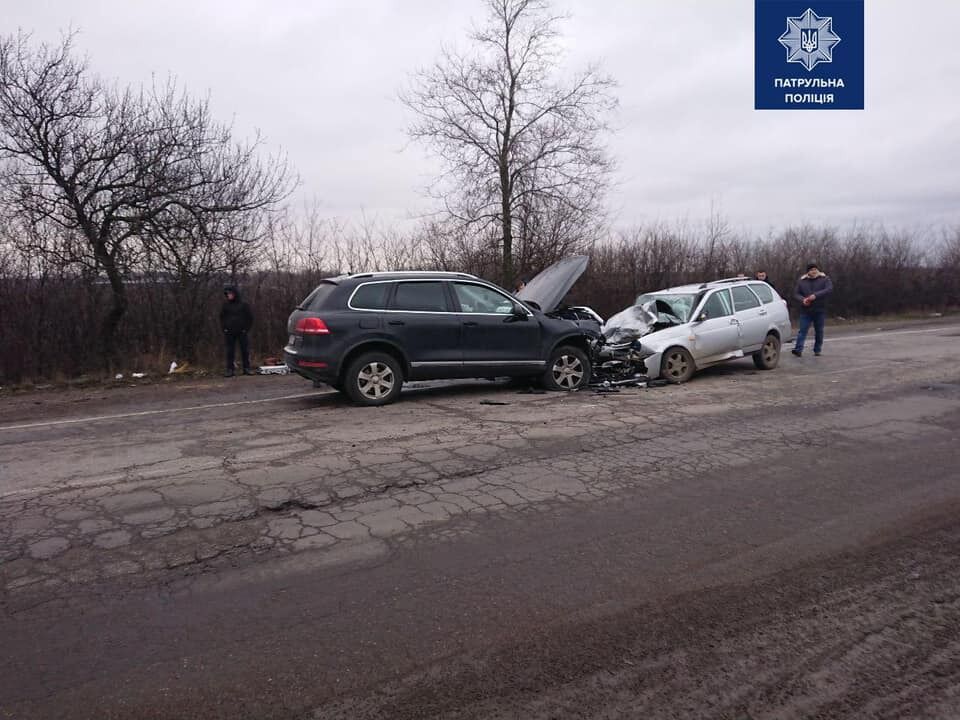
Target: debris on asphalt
{"x": 273, "y": 370}
{"x": 173, "y": 368}
{"x": 138, "y": 376}
{"x": 118, "y": 376}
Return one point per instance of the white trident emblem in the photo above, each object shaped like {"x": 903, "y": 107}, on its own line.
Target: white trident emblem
{"x": 809, "y": 39}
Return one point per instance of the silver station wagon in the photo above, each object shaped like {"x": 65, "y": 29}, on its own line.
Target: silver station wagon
{"x": 688, "y": 328}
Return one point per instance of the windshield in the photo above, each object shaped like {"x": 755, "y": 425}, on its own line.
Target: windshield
{"x": 671, "y": 308}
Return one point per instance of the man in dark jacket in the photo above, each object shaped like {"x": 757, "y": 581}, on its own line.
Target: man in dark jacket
{"x": 812, "y": 292}
{"x": 761, "y": 275}
{"x": 236, "y": 319}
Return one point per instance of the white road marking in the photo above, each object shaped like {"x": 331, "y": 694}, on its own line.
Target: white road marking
{"x": 143, "y": 413}
{"x": 854, "y": 369}
{"x": 867, "y": 336}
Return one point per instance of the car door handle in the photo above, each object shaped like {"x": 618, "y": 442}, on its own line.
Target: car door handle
{"x": 734, "y": 321}
{"x": 470, "y": 323}
{"x": 396, "y": 322}
{"x": 762, "y": 312}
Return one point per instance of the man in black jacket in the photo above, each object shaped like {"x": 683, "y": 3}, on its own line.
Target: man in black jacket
{"x": 761, "y": 275}
{"x": 812, "y": 292}
{"x": 236, "y": 319}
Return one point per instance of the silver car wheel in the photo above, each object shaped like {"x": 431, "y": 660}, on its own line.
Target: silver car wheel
{"x": 568, "y": 372}
{"x": 375, "y": 380}
{"x": 677, "y": 365}
{"x": 770, "y": 351}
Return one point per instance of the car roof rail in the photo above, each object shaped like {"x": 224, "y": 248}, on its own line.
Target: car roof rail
{"x": 429, "y": 273}
{"x": 740, "y": 278}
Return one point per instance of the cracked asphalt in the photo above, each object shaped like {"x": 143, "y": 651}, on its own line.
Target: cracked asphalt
{"x": 749, "y": 544}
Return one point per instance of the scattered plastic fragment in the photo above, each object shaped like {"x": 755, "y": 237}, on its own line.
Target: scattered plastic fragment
{"x": 118, "y": 376}
{"x": 138, "y": 375}
{"x": 173, "y": 368}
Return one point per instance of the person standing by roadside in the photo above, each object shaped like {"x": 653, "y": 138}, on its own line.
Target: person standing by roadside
{"x": 813, "y": 289}
{"x": 761, "y": 275}
{"x": 236, "y": 319}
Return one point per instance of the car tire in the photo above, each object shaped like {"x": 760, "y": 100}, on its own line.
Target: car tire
{"x": 373, "y": 379}
{"x": 677, "y": 365}
{"x": 568, "y": 369}
{"x": 768, "y": 357}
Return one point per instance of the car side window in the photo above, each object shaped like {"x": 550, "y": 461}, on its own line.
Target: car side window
{"x": 478, "y": 299}
{"x": 743, "y": 299}
{"x": 764, "y": 292}
{"x": 420, "y": 297}
{"x": 370, "y": 296}
{"x": 718, "y": 305}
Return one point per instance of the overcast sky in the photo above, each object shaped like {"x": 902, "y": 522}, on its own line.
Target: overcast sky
{"x": 319, "y": 78}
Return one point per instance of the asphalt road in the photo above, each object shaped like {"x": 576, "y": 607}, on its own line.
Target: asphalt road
{"x": 748, "y": 545}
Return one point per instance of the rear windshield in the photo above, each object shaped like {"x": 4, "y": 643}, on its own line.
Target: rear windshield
{"x": 315, "y": 300}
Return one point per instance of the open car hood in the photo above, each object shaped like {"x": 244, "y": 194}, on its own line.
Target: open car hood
{"x": 549, "y": 287}
{"x": 639, "y": 320}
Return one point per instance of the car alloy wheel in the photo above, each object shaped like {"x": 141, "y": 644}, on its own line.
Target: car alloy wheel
{"x": 567, "y": 372}
{"x": 375, "y": 380}
{"x": 677, "y": 366}
{"x": 770, "y": 351}
{"x": 768, "y": 356}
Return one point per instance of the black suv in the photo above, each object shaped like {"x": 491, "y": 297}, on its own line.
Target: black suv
{"x": 366, "y": 334}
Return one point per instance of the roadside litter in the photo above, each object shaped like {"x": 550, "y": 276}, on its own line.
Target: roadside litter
{"x": 138, "y": 376}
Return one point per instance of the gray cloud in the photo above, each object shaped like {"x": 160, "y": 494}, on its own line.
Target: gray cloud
{"x": 320, "y": 80}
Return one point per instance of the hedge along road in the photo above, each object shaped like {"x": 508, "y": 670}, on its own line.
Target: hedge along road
{"x": 721, "y": 547}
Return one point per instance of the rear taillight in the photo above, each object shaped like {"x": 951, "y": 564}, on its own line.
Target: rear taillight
{"x": 312, "y": 326}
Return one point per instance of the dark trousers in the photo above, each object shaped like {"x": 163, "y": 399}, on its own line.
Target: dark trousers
{"x": 231, "y": 339}
{"x": 816, "y": 318}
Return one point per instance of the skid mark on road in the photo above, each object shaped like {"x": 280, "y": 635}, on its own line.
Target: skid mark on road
{"x": 143, "y": 413}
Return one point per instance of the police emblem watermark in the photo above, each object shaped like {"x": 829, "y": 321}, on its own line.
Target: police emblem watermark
{"x": 808, "y": 55}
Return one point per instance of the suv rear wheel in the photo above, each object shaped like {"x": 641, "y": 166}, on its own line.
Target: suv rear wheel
{"x": 567, "y": 369}
{"x": 373, "y": 379}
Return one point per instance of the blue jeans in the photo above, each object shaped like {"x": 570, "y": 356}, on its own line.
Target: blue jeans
{"x": 817, "y": 317}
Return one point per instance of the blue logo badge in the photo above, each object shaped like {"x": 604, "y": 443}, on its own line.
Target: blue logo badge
{"x": 816, "y": 63}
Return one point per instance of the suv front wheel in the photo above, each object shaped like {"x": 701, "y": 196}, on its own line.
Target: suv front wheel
{"x": 373, "y": 379}
{"x": 567, "y": 369}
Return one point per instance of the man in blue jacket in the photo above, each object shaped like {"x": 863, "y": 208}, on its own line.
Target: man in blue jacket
{"x": 812, "y": 292}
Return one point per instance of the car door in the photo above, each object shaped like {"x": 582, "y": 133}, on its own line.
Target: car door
{"x": 752, "y": 316}
{"x": 718, "y": 334}
{"x": 497, "y": 333}
{"x": 422, "y": 322}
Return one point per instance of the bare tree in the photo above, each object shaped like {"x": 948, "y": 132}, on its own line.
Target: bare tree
{"x": 515, "y": 139}
{"x": 123, "y": 171}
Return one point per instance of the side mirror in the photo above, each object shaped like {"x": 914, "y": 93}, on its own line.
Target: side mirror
{"x": 703, "y": 316}
{"x": 519, "y": 313}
